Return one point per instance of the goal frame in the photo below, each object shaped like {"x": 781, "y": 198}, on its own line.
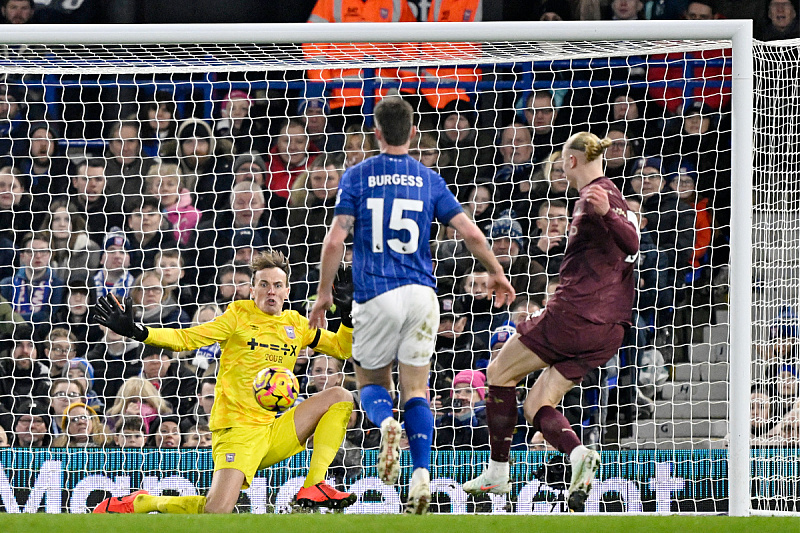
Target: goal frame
{"x": 739, "y": 32}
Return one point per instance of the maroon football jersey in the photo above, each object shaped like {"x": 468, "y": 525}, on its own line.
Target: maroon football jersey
{"x": 597, "y": 272}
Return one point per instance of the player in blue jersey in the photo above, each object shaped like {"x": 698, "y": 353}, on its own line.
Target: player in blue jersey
{"x": 390, "y": 202}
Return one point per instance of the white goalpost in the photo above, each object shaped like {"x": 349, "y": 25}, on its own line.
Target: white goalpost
{"x": 686, "y": 447}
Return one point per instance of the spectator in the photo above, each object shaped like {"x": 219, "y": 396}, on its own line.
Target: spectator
{"x": 74, "y": 316}
{"x": 509, "y": 244}
{"x": 197, "y": 436}
{"x": 115, "y": 359}
{"x": 174, "y": 383}
{"x": 31, "y": 425}
{"x": 170, "y": 266}
{"x": 9, "y": 319}
{"x": 207, "y": 355}
{"x": 359, "y": 144}
{"x": 550, "y": 240}
{"x": 81, "y": 370}
{"x": 34, "y": 291}
{"x": 113, "y": 276}
{"x": 325, "y": 373}
{"x": 139, "y": 397}
{"x": 63, "y": 392}
{"x": 500, "y": 337}
{"x": 453, "y": 344}
{"x": 205, "y": 161}
{"x": 625, "y": 10}
{"x": 59, "y": 349}
{"x": 252, "y": 168}
{"x": 168, "y": 434}
{"x": 423, "y": 148}
{"x": 129, "y": 432}
{"x": 463, "y": 426}
{"x": 289, "y": 157}
{"x": 158, "y": 125}
{"x": 12, "y": 125}
{"x": 541, "y": 113}
{"x": 522, "y": 308}
{"x": 780, "y": 22}
{"x": 44, "y": 169}
{"x": 155, "y": 308}
{"x": 16, "y": 214}
{"x": 626, "y": 115}
{"x": 145, "y": 234}
{"x": 761, "y": 419}
{"x": 81, "y": 428}
{"x": 89, "y": 197}
{"x": 125, "y": 164}
{"x": 465, "y": 153}
{"x": 233, "y": 283}
{"x": 175, "y": 201}
{"x": 700, "y": 10}
{"x": 557, "y": 186}
{"x": 684, "y": 182}
{"x": 73, "y": 253}
{"x": 237, "y": 125}
{"x": 480, "y": 205}
{"x": 514, "y": 179}
{"x": 3, "y": 438}
{"x": 203, "y": 406}
{"x": 553, "y": 11}
{"x": 475, "y": 303}
{"x": 324, "y": 139}
{"x": 619, "y": 156}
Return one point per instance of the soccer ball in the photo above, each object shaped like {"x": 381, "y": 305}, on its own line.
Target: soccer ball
{"x": 276, "y": 388}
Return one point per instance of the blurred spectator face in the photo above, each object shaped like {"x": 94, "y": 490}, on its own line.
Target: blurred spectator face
{"x": 204, "y": 439}
{"x": 60, "y": 351}
{"x": 152, "y": 292}
{"x": 541, "y": 114}
{"x": 61, "y": 224}
{"x": 451, "y": 327}
{"x": 685, "y": 186}
{"x": 42, "y": 146}
{"x": 169, "y": 190}
{"x": 249, "y": 172}
{"x": 78, "y": 302}
{"x": 788, "y": 385}
{"x": 78, "y": 374}
{"x": 238, "y": 109}
{"x": 18, "y": 11}
{"x": 790, "y": 427}
{"x": 130, "y": 439}
{"x": 696, "y": 124}
{"x": 456, "y": 127}
{"x": 515, "y": 145}
{"x": 699, "y": 11}
{"x": 477, "y": 284}
{"x": 147, "y": 220}
{"x": 521, "y": 312}
{"x": 170, "y": 270}
{"x": 3, "y": 438}
{"x": 226, "y": 287}
{"x": 557, "y": 178}
{"x": 8, "y": 107}
{"x": 759, "y": 410}
{"x": 505, "y": 249}
{"x": 7, "y": 199}
{"x": 292, "y": 145}
{"x": 168, "y": 436}
{"x": 159, "y": 117}
{"x": 64, "y": 394}
{"x": 554, "y": 222}
{"x": 90, "y": 181}
{"x": 115, "y": 258}
{"x": 194, "y": 149}
{"x": 652, "y": 182}
{"x": 243, "y": 254}
{"x": 79, "y": 423}
{"x": 325, "y": 373}
{"x": 479, "y": 200}
{"x": 467, "y": 394}
{"x": 36, "y": 256}
{"x": 624, "y": 108}
{"x": 125, "y": 146}
{"x": 636, "y": 208}
{"x": 626, "y": 9}
{"x": 550, "y": 290}
{"x": 24, "y": 354}
{"x": 619, "y": 151}
{"x": 324, "y": 182}
{"x": 156, "y": 366}
{"x": 206, "y": 397}
{"x": 248, "y": 207}
{"x": 30, "y": 430}
{"x": 315, "y": 120}
{"x": 354, "y": 149}
{"x": 550, "y": 16}
{"x": 781, "y": 13}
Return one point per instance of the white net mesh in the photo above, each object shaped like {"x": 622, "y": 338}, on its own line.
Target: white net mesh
{"x": 189, "y": 158}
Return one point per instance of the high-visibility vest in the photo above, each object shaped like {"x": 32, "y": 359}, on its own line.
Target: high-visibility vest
{"x": 355, "y": 11}
{"x": 448, "y": 11}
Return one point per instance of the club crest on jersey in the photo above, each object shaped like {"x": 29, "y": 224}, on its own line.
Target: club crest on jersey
{"x": 384, "y": 13}
{"x": 289, "y": 331}
{"x": 229, "y": 457}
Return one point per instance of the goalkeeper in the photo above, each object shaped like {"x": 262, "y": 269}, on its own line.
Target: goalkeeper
{"x": 253, "y": 334}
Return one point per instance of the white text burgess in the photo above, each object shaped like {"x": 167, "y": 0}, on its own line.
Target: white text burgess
{"x": 395, "y": 179}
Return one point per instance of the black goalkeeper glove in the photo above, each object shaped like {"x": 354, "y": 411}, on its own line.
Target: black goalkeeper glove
{"x": 109, "y": 313}
{"x": 343, "y": 294}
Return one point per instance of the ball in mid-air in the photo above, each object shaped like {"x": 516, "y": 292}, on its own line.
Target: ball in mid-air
{"x": 276, "y": 388}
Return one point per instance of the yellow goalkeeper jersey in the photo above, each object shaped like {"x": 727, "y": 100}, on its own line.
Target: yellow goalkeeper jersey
{"x": 251, "y": 340}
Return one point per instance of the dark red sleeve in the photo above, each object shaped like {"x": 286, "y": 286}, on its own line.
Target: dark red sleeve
{"x": 622, "y": 231}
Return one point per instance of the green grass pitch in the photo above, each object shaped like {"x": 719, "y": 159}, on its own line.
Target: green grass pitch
{"x": 339, "y": 523}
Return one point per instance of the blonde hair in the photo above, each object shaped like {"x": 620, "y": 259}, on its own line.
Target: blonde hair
{"x": 138, "y": 388}
{"x": 548, "y": 164}
{"x": 137, "y": 291}
{"x": 98, "y": 436}
{"x": 269, "y": 259}
{"x": 588, "y": 143}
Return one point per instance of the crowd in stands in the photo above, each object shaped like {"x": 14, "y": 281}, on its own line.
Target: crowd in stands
{"x": 172, "y": 208}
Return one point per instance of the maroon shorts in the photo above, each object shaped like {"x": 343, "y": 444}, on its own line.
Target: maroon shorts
{"x": 571, "y": 344}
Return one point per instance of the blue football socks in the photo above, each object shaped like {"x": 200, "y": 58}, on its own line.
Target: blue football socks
{"x": 377, "y": 403}
{"x": 419, "y": 428}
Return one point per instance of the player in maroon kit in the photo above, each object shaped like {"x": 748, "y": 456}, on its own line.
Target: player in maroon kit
{"x": 580, "y": 329}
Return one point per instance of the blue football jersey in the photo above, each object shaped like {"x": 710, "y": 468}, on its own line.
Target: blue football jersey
{"x": 394, "y": 200}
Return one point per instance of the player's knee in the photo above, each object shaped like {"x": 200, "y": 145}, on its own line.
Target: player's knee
{"x": 339, "y": 394}
{"x": 530, "y": 410}
{"x": 219, "y": 505}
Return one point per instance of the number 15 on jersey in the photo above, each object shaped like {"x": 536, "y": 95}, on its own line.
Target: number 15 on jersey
{"x": 397, "y": 222}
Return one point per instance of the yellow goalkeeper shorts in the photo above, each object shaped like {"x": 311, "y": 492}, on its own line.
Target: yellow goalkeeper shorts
{"x": 249, "y": 449}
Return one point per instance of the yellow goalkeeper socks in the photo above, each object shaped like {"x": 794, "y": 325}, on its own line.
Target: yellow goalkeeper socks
{"x": 328, "y": 439}
{"x": 146, "y": 503}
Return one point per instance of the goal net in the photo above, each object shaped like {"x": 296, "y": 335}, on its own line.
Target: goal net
{"x": 157, "y": 171}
